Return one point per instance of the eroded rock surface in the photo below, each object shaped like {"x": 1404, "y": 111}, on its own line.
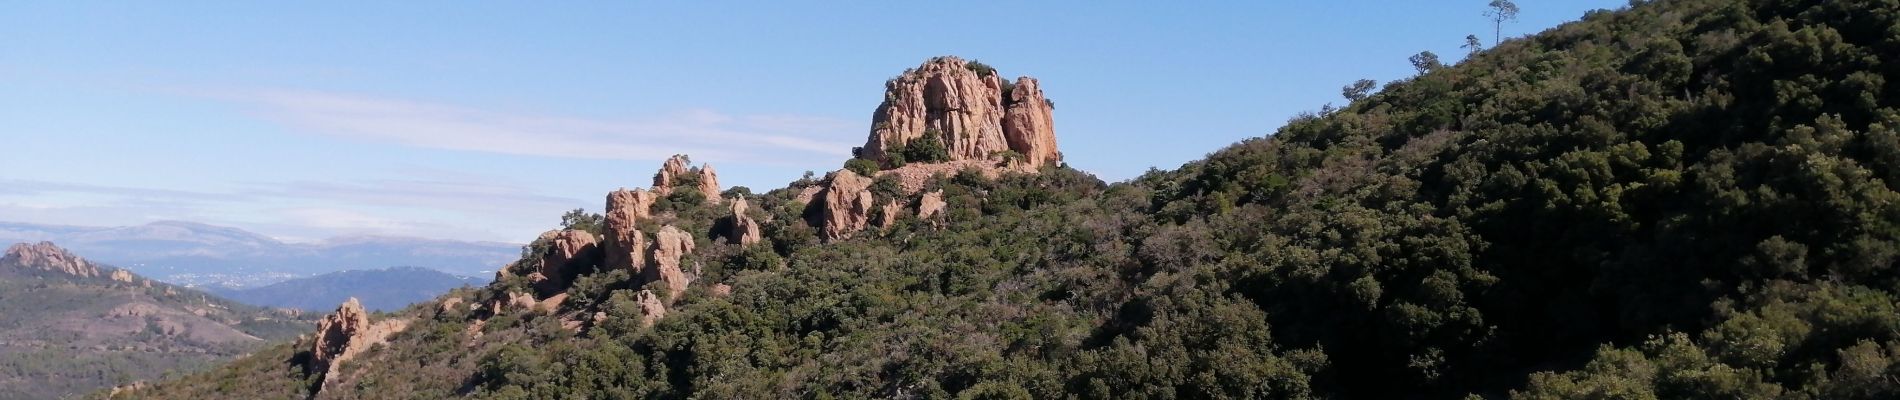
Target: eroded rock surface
{"x": 344, "y": 334}
{"x": 847, "y": 202}
{"x": 669, "y": 246}
{"x": 626, "y": 246}
{"x": 974, "y": 112}
{"x": 740, "y": 228}
{"x": 568, "y": 253}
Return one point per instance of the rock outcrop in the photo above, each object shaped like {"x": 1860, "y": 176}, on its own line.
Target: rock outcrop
{"x": 974, "y": 112}
{"x": 651, "y": 309}
{"x": 45, "y": 256}
{"x": 677, "y": 168}
{"x": 669, "y": 246}
{"x": 930, "y": 205}
{"x": 626, "y": 247}
{"x": 709, "y": 183}
{"x": 344, "y": 334}
{"x": 568, "y": 253}
{"x": 121, "y": 275}
{"x": 1029, "y": 124}
{"x": 335, "y": 332}
{"x": 670, "y": 172}
{"x": 847, "y": 203}
{"x": 889, "y": 213}
{"x": 740, "y": 228}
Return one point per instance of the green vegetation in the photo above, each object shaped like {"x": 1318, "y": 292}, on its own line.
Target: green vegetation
{"x": 1684, "y": 199}
{"x": 980, "y": 68}
{"x": 862, "y": 166}
{"x": 64, "y": 335}
{"x": 926, "y": 149}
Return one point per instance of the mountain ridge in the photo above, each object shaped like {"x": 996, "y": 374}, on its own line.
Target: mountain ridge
{"x": 1678, "y": 199}
{"x": 199, "y": 254}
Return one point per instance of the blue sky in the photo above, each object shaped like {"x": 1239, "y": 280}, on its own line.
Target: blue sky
{"x": 486, "y": 120}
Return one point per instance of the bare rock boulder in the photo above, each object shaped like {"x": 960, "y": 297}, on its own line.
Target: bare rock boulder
{"x": 669, "y": 246}
{"x": 568, "y": 254}
{"x": 930, "y": 205}
{"x": 625, "y": 247}
{"x": 846, "y": 203}
{"x": 740, "y": 228}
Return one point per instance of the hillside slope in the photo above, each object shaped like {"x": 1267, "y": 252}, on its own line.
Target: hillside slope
{"x": 68, "y": 326}
{"x": 1682, "y": 199}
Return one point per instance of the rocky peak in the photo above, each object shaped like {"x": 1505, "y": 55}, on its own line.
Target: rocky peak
{"x": 45, "y": 256}
{"x": 677, "y": 168}
{"x": 670, "y": 172}
{"x": 972, "y": 111}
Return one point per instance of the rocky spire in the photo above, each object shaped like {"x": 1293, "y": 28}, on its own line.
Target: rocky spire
{"x": 344, "y": 334}
{"x": 709, "y": 183}
{"x": 669, "y": 245}
{"x": 670, "y": 172}
{"x": 625, "y": 247}
{"x": 740, "y": 228}
{"x": 973, "y": 111}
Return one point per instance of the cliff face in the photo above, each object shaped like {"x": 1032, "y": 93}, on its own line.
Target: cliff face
{"x": 974, "y": 112}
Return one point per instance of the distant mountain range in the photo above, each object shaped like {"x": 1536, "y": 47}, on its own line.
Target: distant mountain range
{"x": 197, "y": 254}
{"x": 386, "y": 289}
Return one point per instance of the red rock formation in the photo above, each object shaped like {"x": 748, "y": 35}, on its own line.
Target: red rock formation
{"x": 335, "y": 332}
{"x": 741, "y": 229}
{"x": 45, "y": 256}
{"x": 1029, "y": 126}
{"x": 846, "y": 203}
{"x": 344, "y": 334}
{"x": 651, "y": 309}
{"x": 974, "y": 112}
{"x": 709, "y": 184}
{"x": 569, "y": 252}
{"x": 671, "y": 171}
{"x": 669, "y": 245}
{"x": 626, "y": 246}
{"x": 889, "y": 213}
{"x": 930, "y": 205}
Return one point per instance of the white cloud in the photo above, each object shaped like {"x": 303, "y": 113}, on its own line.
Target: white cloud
{"x": 705, "y": 134}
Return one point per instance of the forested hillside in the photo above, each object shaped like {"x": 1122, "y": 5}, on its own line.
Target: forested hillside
{"x": 1682, "y": 199}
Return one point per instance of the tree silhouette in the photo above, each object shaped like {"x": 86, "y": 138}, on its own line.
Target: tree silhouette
{"x": 1358, "y": 90}
{"x": 1500, "y": 12}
